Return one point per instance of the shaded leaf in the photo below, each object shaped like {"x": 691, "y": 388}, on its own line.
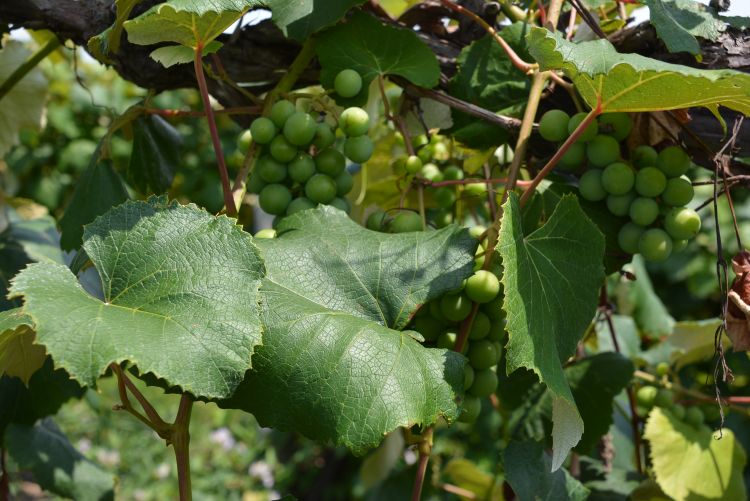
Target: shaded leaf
{"x": 179, "y": 54}
{"x": 300, "y": 19}
{"x": 108, "y": 41}
{"x": 527, "y": 470}
{"x": 678, "y": 22}
{"x": 155, "y": 156}
{"x": 552, "y": 278}
{"x": 628, "y": 338}
{"x": 180, "y": 298}
{"x": 467, "y": 475}
{"x": 639, "y": 300}
{"x": 19, "y": 356}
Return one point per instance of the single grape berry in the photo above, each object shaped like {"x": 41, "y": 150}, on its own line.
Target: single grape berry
{"x": 301, "y": 168}
{"x": 617, "y": 125}
{"x": 405, "y": 221}
{"x": 664, "y": 399}
{"x": 274, "y": 199}
{"x": 282, "y": 150}
{"x": 482, "y": 354}
{"x": 480, "y": 327}
{"x": 678, "y": 411}
{"x": 299, "y": 128}
{"x": 553, "y": 126}
{"x": 431, "y": 172}
{"x": 650, "y": 182}
{"x": 644, "y": 211}
{"x": 574, "y": 158}
{"x": 243, "y": 142}
{"x": 299, "y": 204}
{"x": 485, "y": 383}
{"x": 354, "y": 122}
{"x": 468, "y": 376}
{"x": 646, "y": 395}
{"x": 429, "y": 327}
{"x": 678, "y": 245}
{"x": 662, "y": 369}
{"x": 589, "y": 133}
{"x": 347, "y": 83}
{"x": 280, "y": 111}
{"x": 413, "y": 164}
{"x": 619, "y": 205}
{"x": 330, "y": 161}
{"x": 447, "y": 340}
{"x": 344, "y": 183}
{"x": 482, "y": 287}
{"x": 629, "y": 237}
{"x": 453, "y": 173}
{"x": 475, "y": 189}
{"x": 320, "y": 189}
{"x": 455, "y": 307}
{"x": 618, "y": 178}
{"x": 255, "y": 183}
{"x": 590, "y": 186}
{"x": 673, "y": 161}
{"x": 266, "y": 233}
{"x": 445, "y": 197}
{"x": 470, "y": 409}
{"x": 358, "y": 149}
{"x": 270, "y": 170}
{"x": 694, "y": 417}
{"x": 603, "y": 150}
{"x": 262, "y": 130}
{"x": 377, "y": 220}
{"x": 655, "y": 245}
{"x": 679, "y": 191}
{"x": 341, "y": 204}
{"x": 682, "y": 223}
{"x": 644, "y": 156}
{"x": 324, "y": 136}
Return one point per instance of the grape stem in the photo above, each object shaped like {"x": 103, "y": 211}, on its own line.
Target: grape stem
{"x": 239, "y": 110}
{"x": 28, "y": 65}
{"x": 452, "y": 182}
{"x": 425, "y": 449}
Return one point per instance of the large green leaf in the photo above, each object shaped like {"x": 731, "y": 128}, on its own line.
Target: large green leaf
{"x": 691, "y": 463}
{"x": 552, "y": 279}
{"x": 527, "y": 470}
{"x": 180, "y": 298}
{"x": 678, "y": 22}
{"x": 155, "y": 156}
{"x": 19, "y": 356}
{"x": 56, "y": 465}
{"x": 630, "y": 82}
{"x": 372, "y": 48}
{"x": 332, "y": 367}
{"x": 302, "y": 18}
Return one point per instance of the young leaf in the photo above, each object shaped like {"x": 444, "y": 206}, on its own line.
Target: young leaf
{"x": 630, "y": 82}
{"x": 108, "y": 41}
{"x": 692, "y": 463}
{"x": 155, "y": 156}
{"x": 552, "y": 279}
{"x": 331, "y": 366}
{"x": 179, "y": 54}
{"x": 299, "y": 20}
{"x": 678, "y": 22}
{"x": 19, "y": 356}
{"x": 180, "y": 298}
{"x": 55, "y": 464}
{"x": 372, "y": 48}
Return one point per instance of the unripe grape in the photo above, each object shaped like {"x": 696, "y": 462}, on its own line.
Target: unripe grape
{"x": 646, "y": 395}
{"x": 406, "y": 221}
{"x": 299, "y": 128}
{"x": 344, "y": 183}
{"x": 266, "y": 233}
{"x": 471, "y": 407}
{"x": 431, "y": 172}
{"x": 324, "y": 136}
{"x": 330, "y": 161}
{"x": 429, "y": 327}
{"x": 590, "y": 186}
{"x": 354, "y": 121}
{"x": 618, "y": 178}
{"x": 682, "y": 223}
{"x": 655, "y": 245}
{"x": 299, "y": 204}
{"x": 673, "y": 161}
{"x": 591, "y": 130}
{"x": 280, "y": 112}
{"x": 574, "y": 158}
{"x": 377, "y": 220}
{"x": 617, "y": 125}
{"x": 274, "y": 199}
{"x": 455, "y": 307}
{"x": 650, "y": 182}
{"x": 270, "y": 170}
{"x": 485, "y": 383}
{"x": 244, "y": 141}
{"x": 475, "y": 189}
{"x": 664, "y": 399}
{"x": 282, "y": 150}
{"x": 320, "y": 189}
{"x": 341, "y": 204}
{"x": 480, "y": 327}
{"x": 358, "y": 149}
{"x": 447, "y": 340}
{"x": 644, "y": 211}
{"x": 442, "y": 218}
{"x": 494, "y": 309}
{"x": 678, "y": 411}
{"x": 644, "y": 156}
{"x": 619, "y": 205}
{"x": 662, "y": 369}
{"x": 347, "y": 83}
{"x": 482, "y": 287}
{"x": 445, "y": 197}
{"x": 679, "y": 191}
{"x": 453, "y": 173}
{"x": 603, "y": 150}
{"x": 553, "y": 126}
{"x": 477, "y": 231}
{"x": 468, "y": 376}
{"x": 678, "y": 245}
{"x": 694, "y": 417}
{"x": 255, "y": 183}
{"x": 413, "y": 164}
{"x": 301, "y": 168}
{"x": 629, "y": 237}
{"x": 482, "y": 354}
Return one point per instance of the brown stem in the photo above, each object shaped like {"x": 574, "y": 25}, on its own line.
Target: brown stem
{"x": 154, "y": 420}
{"x": 239, "y": 110}
{"x": 463, "y": 331}
{"x": 240, "y": 182}
{"x": 180, "y": 439}
{"x": 458, "y": 491}
{"x": 203, "y": 86}
{"x": 425, "y": 449}
{"x": 490, "y": 192}
{"x": 473, "y": 180}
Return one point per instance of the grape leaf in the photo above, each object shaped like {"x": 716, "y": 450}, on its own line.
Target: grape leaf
{"x": 552, "y": 278}
{"x": 630, "y": 82}
{"x": 692, "y": 463}
{"x": 186, "y": 22}
{"x": 527, "y": 470}
{"x": 333, "y": 295}
{"x": 302, "y": 18}
{"x": 108, "y": 41}
{"x": 155, "y": 156}
{"x": 23, "y": 105}
{"x": 180, "y": 298}
{"x": 372, "y": 48}
{"x": 638, "y": 299}
{"x": 678, "y": 22}
{"x": 179, "y": 54}
{"x": 55, "y": 464}
{"x": 19, "y": 356}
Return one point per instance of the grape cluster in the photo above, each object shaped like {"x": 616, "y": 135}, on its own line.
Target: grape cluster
{"x": 301, "y": 162}
{"x": 651, "y": 188}
{"x": 648, "y": 397}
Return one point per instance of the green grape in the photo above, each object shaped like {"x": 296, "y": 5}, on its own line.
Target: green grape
{"x": 679, "y": 191}
{"x": 482, "y": 354}
{"x": 471, "y": 407}
{"x": 673, "y": 161}
{"x": 354, "y": 121}
{"x": 341, "y": 204}
{"x": 480, "y": 327}
{"x": 301, "y": 168}
{"x": 468, "y": 376}
{"x": 455, "y": 307}
{"x": 431, "y": 172}
{"x": 330, "y": 161}
{"x": 413, "y": 164}
{"x": 482, "y": 287}
{"x": 282, "y": 150}
{"x": 655, "y": 245}
{"x": 618, "y": 178}
{"x": 603, "y": 150}
{"x": 644, "y": 211}
{"x": 299, "y": 128}
{"x": 263, "y": 130}
{"x": 445, "y": 197}
{"x": 629, "y": 237}
{"x": 619, "y": 205}
{"x": 574, "y": 158}
{"x": 494, "y": 309}
{"x": 485, "y": 383}
{"x": 436, "y": 311}
{"x": 255, "y": 183}
{"x": 617, "y": 125}
{"x": 447, "y": 340}
{"x": 270, "y": 170}
{"x": 678, "y": 245}
{"x": 405, "y": 221}
{"x": 553, "y": 126}
{"x": 398, "y": 165}
{"x": 428, "y": 326}
{"x": 344, "y": 183}
{"x": 650, "y": 182}
{"x": 419, "y": 141}
{"x": 320, "y": 189}
{"x": 377, "y": 220}
{"x": 477, "y": 231}
{"x": 347, "y": 83}
{"x": 591, "y": 130}
{"x": 453, "y": 173}
{"x": 359, "y": 149}
{"x": 245, "y": 139}
{"x": 299, "y": 204}
{"x": 280, "y": 112}
{"x": 678, "y": 411}
{"x": 644, "y": 156}
{"x": 266, "y": 233}
{"x": 274, "y": 199}
{"x": 590, "y": 186}
{"x": 425, "y": 154}
{"x": 664, "y": 399}
{"x": 662, "y": 369}
{"x": 324, "y": 136}
{"x": 475, "y": 189}
{"x": 694, "y": 417}
{"x": 442, "y": 218}
{"x": 646, "y": 395}
{"x": 682, "y": 223}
